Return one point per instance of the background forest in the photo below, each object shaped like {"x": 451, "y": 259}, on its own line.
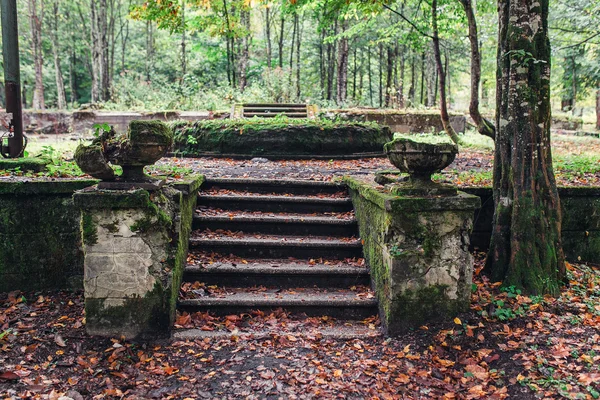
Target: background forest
{"x": 197, "y": 55}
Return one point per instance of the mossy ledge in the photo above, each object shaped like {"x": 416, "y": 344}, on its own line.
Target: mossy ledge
{"x": 278, "y": 137}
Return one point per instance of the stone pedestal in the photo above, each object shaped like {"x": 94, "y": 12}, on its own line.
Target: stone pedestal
{"x": 418, "y": 252}
{"x": 135, "y": 247}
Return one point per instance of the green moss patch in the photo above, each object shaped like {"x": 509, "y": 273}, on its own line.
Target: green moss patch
{"x": 24, "y": 164}
{"x": 278, "y": 137}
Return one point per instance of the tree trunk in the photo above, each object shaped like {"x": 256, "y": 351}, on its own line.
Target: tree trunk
{"x": 484, "y": 126}
{"x": 401, "y": 83}
{"x": 422, "y": 97}
{"x": 526, "y": 249}
{"x": 268, "y": 34}
{"x": 442, "y": 76}
{"x": 413, "y": 82}
{"x": 389, "y": 77}
{"x": 245, "y": 55}
{"x": 298, "y": 43}
{"x": 322, "y": 71}
{"x": 380, "y": 75}
{"x": 295, "y": 27}
{"x": 342, "y": 66}
{"x": 370, "y": 76}
{"x": 61, "y": 98}
{"x": 36, "y": 16}
{"x": 183, "y": 42}
{"x": 149, "y": 64}
{"x": 354, "y": 73}
{"x": 574, "y": 84}
{"x": 282, "y": 27}
{"x": 100, "y": 73}
{"x": 598, "y": 109}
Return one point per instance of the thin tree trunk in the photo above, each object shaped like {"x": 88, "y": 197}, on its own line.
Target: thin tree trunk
{"x": 298, "y": 43}
{"x": 354, "y": 73}
{"x": 401, "y": 83}
{"x": 380, "y": 75}
{"x": 413, "y": 82}
{"x": 484, "y": 126}
{"x": 422, "y": 97}
{"x": 389, "y": 77}
{"x": 295, "y": 27}
{"x": 370, "y": 76}
{"x": 183, "y": 42}
{"x": 574, "y": 85}
{"x": 322, "y": 70}
{"x": 149, "y": 62}
{"x": 36, "y": 16}
{"x": 282, "y": 27}
{"x": 526, "y": 249}
{"x": 61, "y": 98}
{"x": 342, "y": 66}
{"x": 245, "y": 54}
{"x": 268, "y": 34}
{"x": 598, "y": 109}
{"x": 442, "y": 76}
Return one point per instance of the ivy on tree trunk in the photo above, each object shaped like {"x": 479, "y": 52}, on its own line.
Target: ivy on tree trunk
{"x": 526, "y": 249}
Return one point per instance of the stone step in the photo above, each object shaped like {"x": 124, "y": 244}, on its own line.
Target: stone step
{"x": 276, "y": 113}
{"x": 280, "y": 273}
{"x": 272, "y": 186}
{"x": 337, "y": 303}
{"x": 299, "y": 224}
{"x": 279, "y": 246}
{"x": 343, "y": 330}
{"x": 267, "y": 203}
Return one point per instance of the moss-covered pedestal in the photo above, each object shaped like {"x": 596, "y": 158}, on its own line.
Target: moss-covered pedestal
{"x": 418, "y": 252}
{"x": 135, "y": 246}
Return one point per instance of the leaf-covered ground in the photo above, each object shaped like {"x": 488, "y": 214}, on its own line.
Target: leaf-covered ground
{"x": 506, "y": 345}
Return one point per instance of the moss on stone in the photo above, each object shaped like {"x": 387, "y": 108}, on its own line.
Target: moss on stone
{"x": 89, "y": 230}
{"x": 154, "y": 131}
{"x": 414, "y": 308}
{"x": 33, "y": 164}
{"x": 89, "y": 199}
{"x": 253, "y": 137}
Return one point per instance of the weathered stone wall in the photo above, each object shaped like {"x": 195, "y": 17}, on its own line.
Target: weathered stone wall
{"x": 418, "y": 253}
{"x": 135, "y": 248}
{"x": 40, "y": 240}
{"x": 580, "y": 227}
{"x": 402, "y": 121}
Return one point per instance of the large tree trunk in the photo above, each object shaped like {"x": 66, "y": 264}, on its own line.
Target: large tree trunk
{"x": 342, "y": 66}
{"x": 61, "y": 98}
{"x": 484, "y": 126}
{"x": 526, "y": 249}
{"x": 442, "y": 76}
{"x": 36, "y": 16}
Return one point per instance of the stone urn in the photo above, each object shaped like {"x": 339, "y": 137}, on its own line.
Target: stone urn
{"x": 144, "y": 143}
{"x": 420, "y": 160}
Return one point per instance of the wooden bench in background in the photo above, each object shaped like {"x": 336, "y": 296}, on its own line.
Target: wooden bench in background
{"x": 271, "y": 110}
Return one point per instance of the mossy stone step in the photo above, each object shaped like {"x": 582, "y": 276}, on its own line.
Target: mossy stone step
{"x": 334, "y": 303}
{"x": 291, "y": 204}
{"x": 281, "y": 225}
{"x": 270, "y": 186}
{"x": 280, "y": 247}
{"x": 278, "y": 273}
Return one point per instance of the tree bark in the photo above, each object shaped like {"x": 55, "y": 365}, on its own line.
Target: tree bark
{"x": 298, "y": 45}
{"x": 183, "y": 41}
{"x": 413, "y": 82}
{"x": 526, "y": 249}
{"x": 149, "y": 64}
{"x": 295, "y": 27}
{"x": 400, "y": 93}
{"x": 61, "y": 98}
{"x": 282, "y": 27}
{"x": 484, "y": 126}
{"x": 422, "y": 97}
{"x": 442, "y": 76}
{"x": 342, "y": 66}
{"x": 389, "y": 77}
{"x": 268, "y": 34}
{"x": 100, "y": 73}
{"x": 36, "y": 16}
{"x": 598, "y": 109}
{"x": 380, "y": 75}
{"x": 245, "y": 55}
{"x": 370, "y": 76}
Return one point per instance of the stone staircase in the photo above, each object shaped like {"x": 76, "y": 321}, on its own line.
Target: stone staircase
{"x": 270, "y": 244}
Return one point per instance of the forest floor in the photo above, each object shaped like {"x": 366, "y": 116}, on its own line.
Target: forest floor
{"x": 507, "y": 345}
